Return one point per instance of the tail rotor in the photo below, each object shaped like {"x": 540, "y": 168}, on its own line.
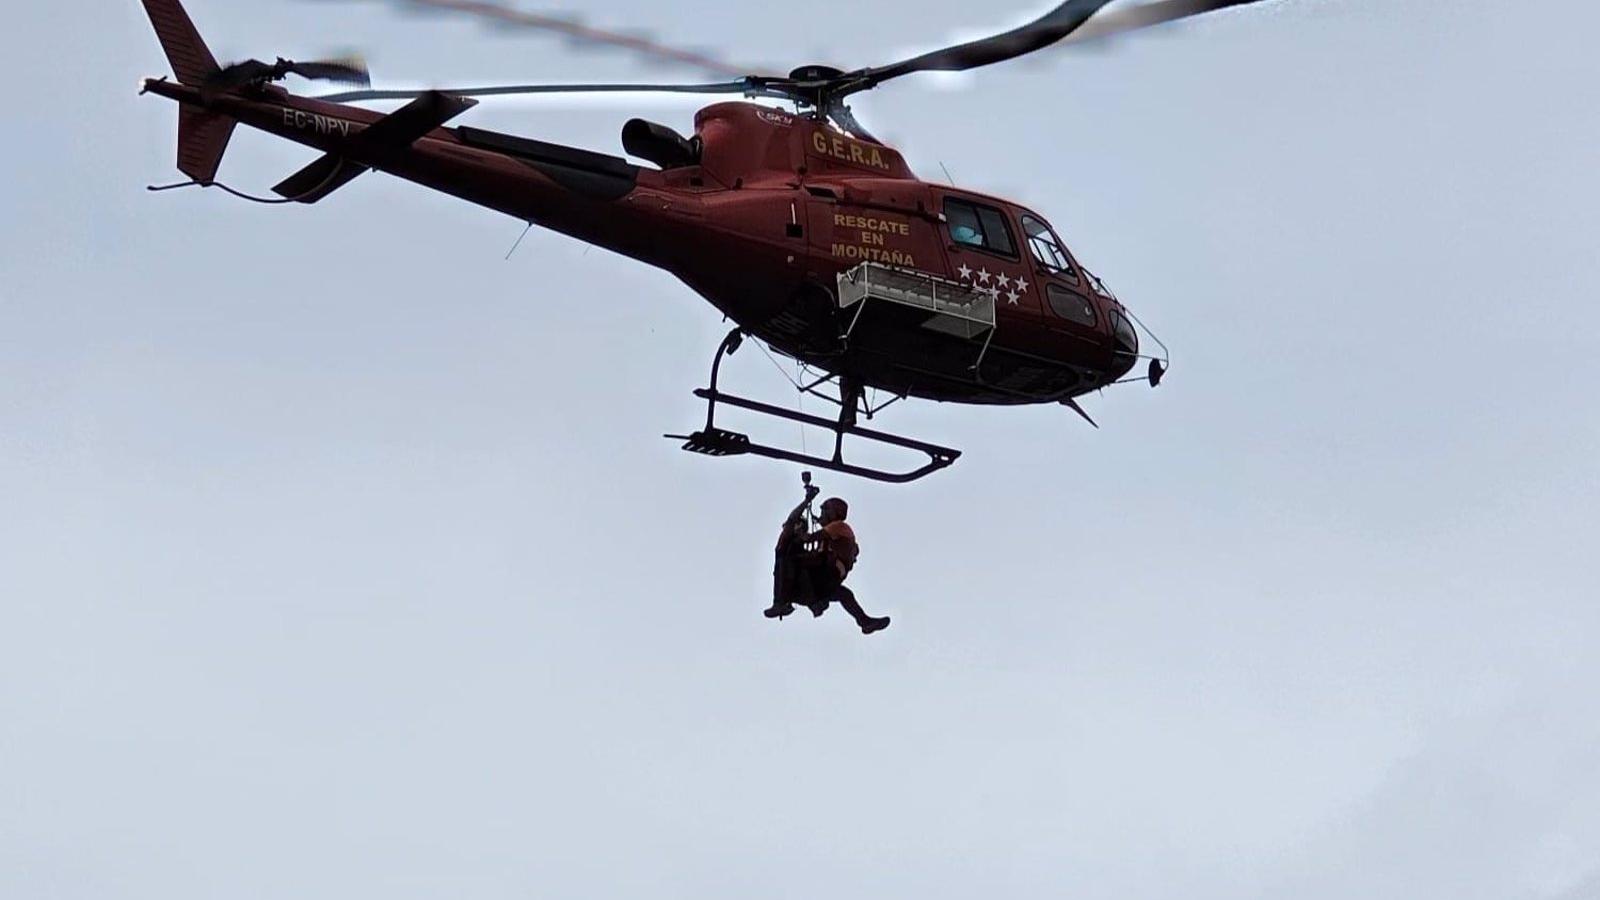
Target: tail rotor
{"x": 349, "y": 71}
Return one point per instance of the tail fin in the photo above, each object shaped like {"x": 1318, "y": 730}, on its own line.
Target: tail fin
{"x": 202, "y": 139}
{"x": 191, "y": 61}
{"x": 202, "y": 136}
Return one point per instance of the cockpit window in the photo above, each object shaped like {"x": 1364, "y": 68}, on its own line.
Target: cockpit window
{"x": 1045, "y": 248}
{"x": 983, "y": 227}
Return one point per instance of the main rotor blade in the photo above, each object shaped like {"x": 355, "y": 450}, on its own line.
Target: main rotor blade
{"x": 579, "y": 33}
{"x": 749, "y": 87}
{"x": 1144, "y": 15}
{"x": 1056, "y": 25}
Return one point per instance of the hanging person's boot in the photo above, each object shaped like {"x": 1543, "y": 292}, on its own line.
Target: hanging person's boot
{"x": 871, "y": 624}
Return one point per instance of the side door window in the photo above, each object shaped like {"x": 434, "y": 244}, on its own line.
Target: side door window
{"x": 979, "y": 227}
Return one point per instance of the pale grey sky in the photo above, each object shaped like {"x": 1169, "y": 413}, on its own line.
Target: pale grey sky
{"x": 342, "y": 558}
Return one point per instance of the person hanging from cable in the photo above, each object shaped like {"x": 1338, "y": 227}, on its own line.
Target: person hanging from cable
{"x": 811, "y": 565}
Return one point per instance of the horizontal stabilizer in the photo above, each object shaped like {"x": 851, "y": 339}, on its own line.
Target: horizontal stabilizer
{"x": 369, "y": 149}
{"x": 412, "y": 122}
{"x": 318, "y": 180}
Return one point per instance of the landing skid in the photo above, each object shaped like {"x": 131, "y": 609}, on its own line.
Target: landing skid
{"x": 715, "y": 441}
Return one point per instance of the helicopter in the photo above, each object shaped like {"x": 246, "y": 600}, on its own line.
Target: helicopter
{"x": 810, "y": 234}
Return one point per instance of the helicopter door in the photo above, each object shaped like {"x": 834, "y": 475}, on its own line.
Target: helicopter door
{"x": 983, "y": 250}
{"x": 821, "y": 205}
{"x": 1061, "y": 284}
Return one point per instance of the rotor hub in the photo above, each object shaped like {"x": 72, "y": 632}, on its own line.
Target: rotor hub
{"x": 815, "y": 73}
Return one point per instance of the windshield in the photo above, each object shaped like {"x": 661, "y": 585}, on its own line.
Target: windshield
{"x": 1127, "y": 338}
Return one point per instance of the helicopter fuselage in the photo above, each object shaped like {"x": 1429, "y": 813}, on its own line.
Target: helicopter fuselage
{"x": 762, "y": 220}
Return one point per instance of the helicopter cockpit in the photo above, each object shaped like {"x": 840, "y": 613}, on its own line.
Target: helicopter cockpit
{"x": 1075, "y": 294}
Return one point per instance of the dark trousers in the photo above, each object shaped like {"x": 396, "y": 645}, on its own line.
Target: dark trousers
{"x": 804, "y": 579}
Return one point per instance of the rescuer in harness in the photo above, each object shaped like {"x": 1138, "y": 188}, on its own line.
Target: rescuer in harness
{"x": 811, "y": 566}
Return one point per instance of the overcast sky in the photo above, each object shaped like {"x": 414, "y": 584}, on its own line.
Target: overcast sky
{"x": 340, "y": 557}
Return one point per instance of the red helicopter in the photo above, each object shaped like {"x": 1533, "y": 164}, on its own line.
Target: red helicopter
{"x": 810, "y": 234}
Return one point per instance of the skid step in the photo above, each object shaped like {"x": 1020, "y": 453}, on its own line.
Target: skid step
{"x": 715, "y": 442}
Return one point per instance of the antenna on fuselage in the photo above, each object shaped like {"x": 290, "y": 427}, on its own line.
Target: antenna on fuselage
{"x": 519, "y": 241}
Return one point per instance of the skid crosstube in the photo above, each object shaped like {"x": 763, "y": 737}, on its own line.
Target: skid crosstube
{"x": 715, "y": 441}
